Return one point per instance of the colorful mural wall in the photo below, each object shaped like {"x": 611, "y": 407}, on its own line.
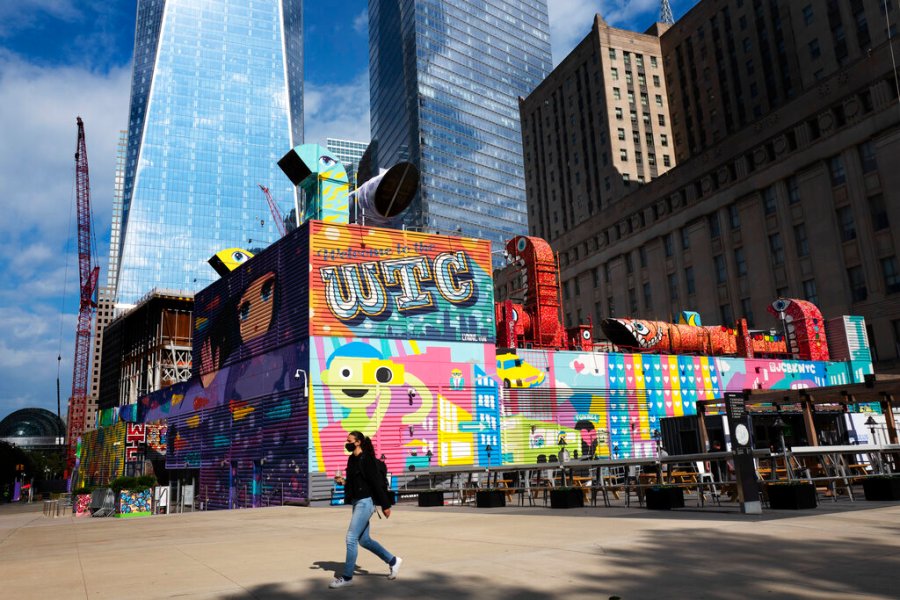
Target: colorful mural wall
{"x": 372, "y": 282}
{"x": 424, "y": 403}
{"x": 607, "y": 405}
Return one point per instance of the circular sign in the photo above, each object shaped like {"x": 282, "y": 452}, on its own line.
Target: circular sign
{"x": 741, "y": 434}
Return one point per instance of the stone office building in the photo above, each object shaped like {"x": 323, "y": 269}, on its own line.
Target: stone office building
{"x": 784, "y": 119}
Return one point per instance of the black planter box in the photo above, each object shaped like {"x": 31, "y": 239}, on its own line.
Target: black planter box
{"x": 664, "y": 498}
{"x": 882, "y": 488}
{"x": 567, "y": 498}
{"x": 791, "y": 496}
{"x": 490, "y": 499}
{"x": 432, "y": 498}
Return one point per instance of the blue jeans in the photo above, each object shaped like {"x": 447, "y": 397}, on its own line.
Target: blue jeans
{"x": 358, "y": 534}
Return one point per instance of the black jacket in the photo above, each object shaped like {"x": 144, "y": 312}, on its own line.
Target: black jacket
{"x": 364, "y": 481}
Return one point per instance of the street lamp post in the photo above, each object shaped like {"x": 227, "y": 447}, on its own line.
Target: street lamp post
{"x": 871, "y": 423}
{"x": 657, "y": 437}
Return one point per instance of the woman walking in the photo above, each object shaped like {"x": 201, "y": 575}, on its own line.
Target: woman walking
{"x": 363, "y": 489}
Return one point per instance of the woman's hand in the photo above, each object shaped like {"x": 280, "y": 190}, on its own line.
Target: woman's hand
{"x": 387, "y": 513}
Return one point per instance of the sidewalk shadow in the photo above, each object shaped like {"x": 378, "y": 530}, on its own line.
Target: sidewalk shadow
{"x": 336, "y": 567}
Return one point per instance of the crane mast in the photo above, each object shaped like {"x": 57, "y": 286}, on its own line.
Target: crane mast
{"x": 87, "y": 274}
{"x": 273, "y": 208}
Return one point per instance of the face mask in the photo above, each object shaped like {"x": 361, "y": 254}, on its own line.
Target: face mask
{"x": 349, "y": 446}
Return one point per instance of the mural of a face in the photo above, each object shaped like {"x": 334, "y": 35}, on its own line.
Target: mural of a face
{"x": 356, "y": 372}
{"x": 634, "y": 333}
{"x": 257, "y": 307}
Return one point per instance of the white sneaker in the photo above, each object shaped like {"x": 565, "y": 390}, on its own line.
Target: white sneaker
{"x": 340, "y": 582}
{"x": 395, "y": 570}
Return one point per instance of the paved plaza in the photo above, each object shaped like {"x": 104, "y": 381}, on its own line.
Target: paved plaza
{"x": 840, "y": 550}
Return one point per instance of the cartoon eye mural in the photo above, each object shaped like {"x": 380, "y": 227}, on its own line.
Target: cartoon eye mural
{"x": 384, "y": 375}
{"x": 244, "y": 312}
{"x": 326, "y": 161}
{"x": 640, "y": 328}
{"x": 238, "y": 257}
{"x": 265, "y": 293}
{"x": 522, "y": 244}
{"x": 586, "y": 335}
{"x": 346, "y": 373}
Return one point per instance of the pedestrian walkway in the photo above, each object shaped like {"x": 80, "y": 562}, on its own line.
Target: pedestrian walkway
{"x": 836, "y": 551}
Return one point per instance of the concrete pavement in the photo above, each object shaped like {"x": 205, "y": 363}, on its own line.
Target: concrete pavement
{"x": 839, "y": 550}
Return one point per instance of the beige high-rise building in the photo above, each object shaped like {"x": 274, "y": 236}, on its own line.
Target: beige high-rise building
{"x": 595, "y": 128}
{"x": 786, "y": 124}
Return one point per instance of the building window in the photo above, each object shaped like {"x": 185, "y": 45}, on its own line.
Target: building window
{"x": 807, "y": 14}
{"x": 713, "y": 221}
{"x": 689, "y": 278}
{"x": 617, "y": 94}
{"x": 793, "y": 190}
{"x": 740, "y": 262}
{"x": 610, "y": 306}
{"x": 659, "y": 100}
{"x": 661, "y": 119}
{"x": 846, "y": 226}
{"x": 664, "y": 140}
{"x": 667, "y": 162}
{"x": 642, "y": 256}
{"x": 668, "y": 246}
{"x": 653, "y": 62}
{"x": 769, "y": 200}
{"x": 747, "y": 311}
{"x": 749, "y": 66}
{"x": 857, "y": 280}
{"x": 629, "y": 264}
{"x": 639, "y": 60}
{"x": 612, "y": 53}
{"x": 648, "y": 298}
{"x": 727, "y": 315}
{"x": 632, "y": 301}
{"x": 614, "y": 72}
{"x": 776, "y": 248}
{"x": 628, "y": 78}
{"x": 801, "y": 240}
{"x": 621, "y": 133}
{"x": 656, "y": 81}
{"x": 673, "y": 287}
{"x": 623, "y": 154}
{"x": 809, "y": 291}
{"x": 878, "y": 212}
{"x": 634, "y": 115}
{"x": 867, "y": 157}
{"x": 595, "y": 272}
{"x": 734, "y": 217}
{"x": 720, "y": 268}
{"x": 685, "y": 239}
{"x": 645, "y": 101}
{"x": 891, "y": 274}
{"x": 836, "y": 168}
{"x": 630, "y": 97}
{"x": 814, "y": 50}
{"x": 642, "y": 81}
{"x": 619, "y": 113}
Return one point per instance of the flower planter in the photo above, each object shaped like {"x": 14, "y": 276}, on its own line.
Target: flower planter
{"x": 135, "y": 504}
{"x": 566, "y": 498}
{"x": 490, "y": 499}
{"x": 664, "y": 498}
{"x": 791, "y": 496}
{"x": 431, "y": 498}
{"x": 882, "y": 488}
{"x": 82, "y": 505}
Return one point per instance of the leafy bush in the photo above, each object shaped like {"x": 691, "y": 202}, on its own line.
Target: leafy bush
{"x": 87, "y": 489}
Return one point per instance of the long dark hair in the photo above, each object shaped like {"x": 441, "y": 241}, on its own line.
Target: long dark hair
{"x": 365, "y": 443}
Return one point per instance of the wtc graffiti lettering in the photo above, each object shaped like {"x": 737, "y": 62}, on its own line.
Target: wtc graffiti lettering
{"x": 354, "y": 292}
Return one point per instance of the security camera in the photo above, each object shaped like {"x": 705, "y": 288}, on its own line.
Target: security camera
{"x": 297, "y": 374}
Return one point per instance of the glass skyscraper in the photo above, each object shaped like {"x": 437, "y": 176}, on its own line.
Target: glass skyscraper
{"x": 216, "y": 101}
{"x": 349, "y": 153}
{"x": 445, "y": 78}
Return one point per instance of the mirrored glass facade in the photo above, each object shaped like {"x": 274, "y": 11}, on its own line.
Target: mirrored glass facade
{"x": 445, "y": 78}
{"x": 216, "y": 101}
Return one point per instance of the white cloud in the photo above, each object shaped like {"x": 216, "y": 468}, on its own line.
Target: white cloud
{"x": 37, "y": 172}
{"x": 361, "y": 22}
{"x": 22, "y": 14}
{"x": 337, "y": 110}
{"x": 571, "y": 20}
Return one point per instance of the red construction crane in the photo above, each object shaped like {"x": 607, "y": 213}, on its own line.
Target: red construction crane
{"x": 276, "y": 214}
{"x": 88, "y": 275}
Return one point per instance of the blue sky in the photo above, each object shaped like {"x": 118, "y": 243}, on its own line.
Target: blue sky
{"x": 63, "y": 58}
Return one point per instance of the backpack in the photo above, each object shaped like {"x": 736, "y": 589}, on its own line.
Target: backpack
{"x": 381, "y": 469}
